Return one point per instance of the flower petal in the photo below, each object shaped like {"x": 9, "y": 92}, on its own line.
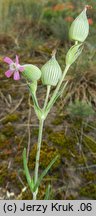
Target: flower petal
{"x": 17, "y": 60}
{"x": 8, "y": 73}
{"x": 21, "y": 68}
{"x": 16, "y": 75}
{"x": 8, "y": 60}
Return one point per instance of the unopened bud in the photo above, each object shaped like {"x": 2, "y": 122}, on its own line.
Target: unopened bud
{"x": 31, "y": 72}
{"x": 51, "y": 72}
{"x": 73, "y": 53}
{"x": 79, "y": 28}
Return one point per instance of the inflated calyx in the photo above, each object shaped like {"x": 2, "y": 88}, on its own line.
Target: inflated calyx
{"x": 31, "y": 72}
{"x": 79, "y": 29}
{"x": 51, "y": 72}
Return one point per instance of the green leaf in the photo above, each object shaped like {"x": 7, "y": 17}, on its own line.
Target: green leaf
{"x": 28, "y": 177}
{"x": 47, "y": 193}
{"x": 45, "y": 172}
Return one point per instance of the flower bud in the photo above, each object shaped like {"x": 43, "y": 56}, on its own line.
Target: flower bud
{"x": 79, "y": 28}
{"x": 51, "y": 72}
{"x": 31, "y": 72}
{"x": 73, "y": 53}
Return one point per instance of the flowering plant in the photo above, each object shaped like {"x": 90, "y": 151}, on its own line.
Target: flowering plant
{"x": 50, "y": 75}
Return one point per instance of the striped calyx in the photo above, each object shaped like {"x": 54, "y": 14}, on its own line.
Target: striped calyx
{"x": 79, "y": 29}
{"x": 51, "y": 72}
{"x": 31, "y": 72}
{"x": 73, "y": 53}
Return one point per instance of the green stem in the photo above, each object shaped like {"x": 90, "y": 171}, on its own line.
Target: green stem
{"x": 41, "y": 122}
{"x": 47, "y": 96}
{"x": 61, "y": 80}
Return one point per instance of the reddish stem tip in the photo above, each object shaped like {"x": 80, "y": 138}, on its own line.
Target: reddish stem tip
{"x": 88, "y": 7}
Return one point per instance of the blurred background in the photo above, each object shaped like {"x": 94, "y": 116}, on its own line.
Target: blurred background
{"x": 32, "y": 29}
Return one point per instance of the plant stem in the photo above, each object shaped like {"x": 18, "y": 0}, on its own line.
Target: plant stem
{"x": 41, "y": 122}
{"x": 34, "y": 196}
{"x": 29, "y": 132}
{"x": 61, "y": 80}
{"x": 47, "y": 96}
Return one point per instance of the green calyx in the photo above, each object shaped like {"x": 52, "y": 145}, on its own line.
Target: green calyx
{"x": 51, "y": 72}
{"x": 31, "y": 72}
{"x": 79, "y": 29}
{"x": 73, "y": 53}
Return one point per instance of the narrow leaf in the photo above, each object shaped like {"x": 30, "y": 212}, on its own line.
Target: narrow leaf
{"x": 45, "y": 172}
{"x": 28, "y": 177}
{"x": 47, "y": 194}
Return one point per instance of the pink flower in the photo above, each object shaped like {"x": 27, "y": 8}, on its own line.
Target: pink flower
{"x": 14, "y": 68}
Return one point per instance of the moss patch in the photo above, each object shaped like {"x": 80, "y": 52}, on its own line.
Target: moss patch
{"x": 91, "y": 143}
{"x": 3, "y": 175}
{"x": 11, "y": 118}
{"x": 58, "y": 120}
{"x": 88, "y": 191}
{"x": 8, "y": 130}
{"x": 65, "y": 144}
{"x": 47, "y": 154}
